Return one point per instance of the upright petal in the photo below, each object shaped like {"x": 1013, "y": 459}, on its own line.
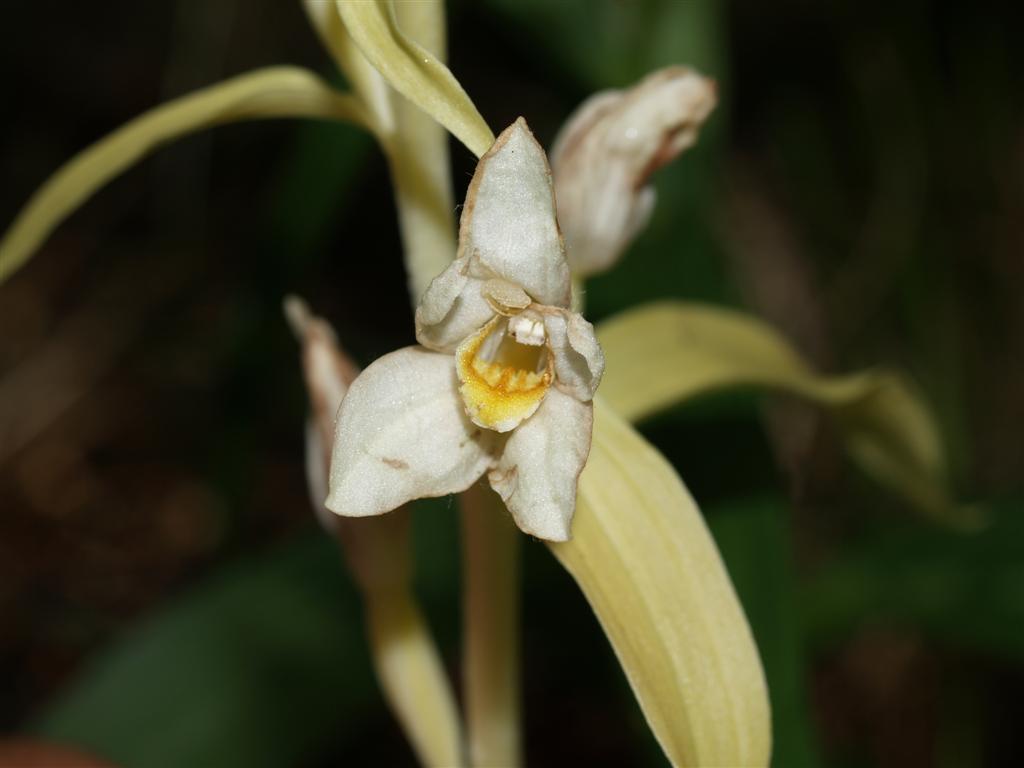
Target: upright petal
{"x": 508, "y": 221}
{"x": 402, "y": 434}
{"x": 579, "y": 361}
{"x": 452, "y": 308}
{"x": 537, "y": 473}
{"x": 608, "y": 149}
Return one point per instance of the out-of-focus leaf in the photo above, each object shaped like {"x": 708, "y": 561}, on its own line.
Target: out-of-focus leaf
{"x": 648, "y": 566}
{"x": 261, "y": 667}
{"x": 414, "y": 71}
{"x": 265, "y": 93}
{"x": 963, "y": 590}
{"x": 666, "y": 353}
{"x": 753, "y": 538}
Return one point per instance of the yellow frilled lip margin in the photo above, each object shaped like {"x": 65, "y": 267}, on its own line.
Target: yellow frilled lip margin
{"x": 498, "y": 396}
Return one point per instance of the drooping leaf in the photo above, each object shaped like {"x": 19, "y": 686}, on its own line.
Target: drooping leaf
{"x": 415, "y": 72}
{"x": 265, "y": 93}
{"x": 665, "y": 353}
{"x": 643, "y": 557}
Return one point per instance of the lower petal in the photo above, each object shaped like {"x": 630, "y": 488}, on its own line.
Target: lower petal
{"x": 537, "y": 473}
{"x": 402, "y": 434}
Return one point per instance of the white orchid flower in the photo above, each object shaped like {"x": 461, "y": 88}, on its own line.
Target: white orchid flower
{"x": 504, "y": 380}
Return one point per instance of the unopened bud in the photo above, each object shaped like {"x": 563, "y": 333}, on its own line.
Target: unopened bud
{"x": 328, "y": 372}
{"x": 606, "y": 152}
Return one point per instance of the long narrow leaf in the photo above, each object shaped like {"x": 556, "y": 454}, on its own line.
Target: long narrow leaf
{"x": 643, "y": 557}
{"x": 264, "y": 93}
{"x": 420, "y": 165}
{"x": 414, "y": 71}
{"x": 362, "y": 77}
{"x": 665, "y": 353}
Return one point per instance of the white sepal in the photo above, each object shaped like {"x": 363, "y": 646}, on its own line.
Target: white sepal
{"x": 538, "y": 470}
{"x": 403, "y": 434}
{"x": 579, "y": 361}
{"x": 508, "y": 221}
{"x": 452, "y": 308}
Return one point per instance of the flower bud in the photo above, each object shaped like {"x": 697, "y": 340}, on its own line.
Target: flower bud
{"x": 377, "y": 551}
{"x": 328, "y": 372}
{"x": 606, "y": 152}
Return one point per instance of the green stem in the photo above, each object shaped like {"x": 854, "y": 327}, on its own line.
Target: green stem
{"x": 491, "y": 615}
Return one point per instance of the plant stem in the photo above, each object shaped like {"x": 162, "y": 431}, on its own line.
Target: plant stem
{"x": 491, "y": 629}
{"x": 413, "y": 678}
{"x": 405, "y": 657}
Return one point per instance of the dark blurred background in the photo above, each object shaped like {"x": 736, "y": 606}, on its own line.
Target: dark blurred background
{"x": 165, "y": 597}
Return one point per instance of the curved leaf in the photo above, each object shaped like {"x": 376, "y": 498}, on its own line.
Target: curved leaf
{"x": 665, "y": 353}
{"x": 264, "y": 93}
{"x": 420, "y": 164}
{"x": 415, "y": 72}
{"x": 643, "y": 557}
{"x": 362, "y": 77}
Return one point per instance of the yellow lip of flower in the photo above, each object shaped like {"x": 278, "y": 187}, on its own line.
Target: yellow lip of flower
{"x": 502, "y": 389}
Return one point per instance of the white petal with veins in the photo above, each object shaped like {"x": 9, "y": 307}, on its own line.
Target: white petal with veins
{"x": 538, "y": 470}
{"x": 508, "y": 220}
{"x": 452, "y": 308}
{"x": 579, "y": 361}
{"x": 403, "y": 434}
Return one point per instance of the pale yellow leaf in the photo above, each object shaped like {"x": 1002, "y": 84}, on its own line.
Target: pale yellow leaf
{"x": 362, "y": 77}
{"x": 642, "y": 555}
{"x": 668, "y": 352}
{"x": 414, "y": 71}
{"x": 264, "y": 93}
{"x": 420, "y": 167}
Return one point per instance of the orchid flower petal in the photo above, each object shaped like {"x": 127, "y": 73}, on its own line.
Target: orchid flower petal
{"x": 452, "y": 308}
{"x": 414, "y": 72}
{"x": 666, "y": 353}
{"x": 508, "y": 221}
{"x": 403, "y": 434}
{"x": 538, "y": 470}
{"x": 579, "y": 361}
{"x": 265, "y": 93}
{"x": 642, "y": 555}
{"x": 607, "y": 151}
